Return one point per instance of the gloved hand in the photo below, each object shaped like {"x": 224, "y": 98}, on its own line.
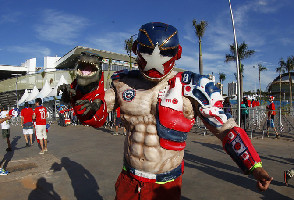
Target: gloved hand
{"x": 67, "y": 92}
{"x": 89, "y": 105}
{"x": 203, "y": 90}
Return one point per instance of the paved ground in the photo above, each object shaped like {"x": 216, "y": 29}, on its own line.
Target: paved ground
{"x": 83, "y": 163}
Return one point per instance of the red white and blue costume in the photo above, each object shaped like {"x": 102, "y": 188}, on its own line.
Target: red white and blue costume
{"x": 157, "y": 48}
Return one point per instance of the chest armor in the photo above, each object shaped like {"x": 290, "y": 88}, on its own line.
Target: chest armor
{"x": 172, "y": 126}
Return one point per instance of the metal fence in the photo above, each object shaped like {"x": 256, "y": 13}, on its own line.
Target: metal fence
{"x": 255, "y": 124}
{"x": 256, "y": 121}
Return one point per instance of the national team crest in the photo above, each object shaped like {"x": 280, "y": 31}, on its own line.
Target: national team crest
{"x": 128, "y": 95}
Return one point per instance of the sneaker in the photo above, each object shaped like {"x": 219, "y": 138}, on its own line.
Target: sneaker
{"x": 41, "y": 152}
{"x": 45, "y": 149}
{"x": 277, "y": 136}
{"x": 286, "y": 177}
{"x": 3, "y": 172}
{"x": 115, "y": 134}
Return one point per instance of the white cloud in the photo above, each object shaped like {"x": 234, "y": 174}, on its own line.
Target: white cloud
{"x": 111, "y": 41}
{"x": 10, "y": 17}
{"x": 286, "y": 41}
{"x": 34, "y": 50}
{"x": 213, "y": 56}
{"x": 60, "y": 27}
{"x": 188, "y": 63}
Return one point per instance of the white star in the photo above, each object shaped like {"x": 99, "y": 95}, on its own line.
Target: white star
{"x": 155, "y": 60}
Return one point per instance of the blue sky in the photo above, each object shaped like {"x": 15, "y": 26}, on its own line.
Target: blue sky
{"x": 34, "y": 28}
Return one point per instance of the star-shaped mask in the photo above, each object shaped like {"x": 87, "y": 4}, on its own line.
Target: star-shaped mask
{"x": 155, "y": 60}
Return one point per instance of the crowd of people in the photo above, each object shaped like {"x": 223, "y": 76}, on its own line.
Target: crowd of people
{"x": 36, "y": 118}
{"x": 67, "y": 116}
{"x": 245, "y": 105}
{"x": 30, "y": 120}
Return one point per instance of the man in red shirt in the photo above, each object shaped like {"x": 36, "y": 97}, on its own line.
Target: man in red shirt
{"x": 271, "y": 117}
{"x": 27, "y": 123}
{"x": 118, "y": 122}
{"x": 40, "y": 114}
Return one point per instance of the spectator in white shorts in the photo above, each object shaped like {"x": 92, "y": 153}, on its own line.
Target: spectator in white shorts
{"x": 40, "y": 114}
{"x": 3, "y": 171}
{"x": 27, "y": 123}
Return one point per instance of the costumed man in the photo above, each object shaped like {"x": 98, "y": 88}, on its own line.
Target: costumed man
{"x": 158, "y": 108}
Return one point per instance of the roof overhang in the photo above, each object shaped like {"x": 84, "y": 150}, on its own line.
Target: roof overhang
{"x": 8, "y": 71}
{"x": 68, "y": 60}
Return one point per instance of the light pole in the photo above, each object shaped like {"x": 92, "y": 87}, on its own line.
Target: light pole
{"x": 17, "y": 75}
{"x": 237, "y": 66}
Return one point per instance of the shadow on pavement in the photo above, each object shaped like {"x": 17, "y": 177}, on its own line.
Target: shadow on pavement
{"x": 211, "y": 167}
{"x": 44, "y": 190}
{"x": 212, "y": 146}
{"x": 278, "y": 159}
{"x": 9, "y": 154}
{"x": 83, "y": 182}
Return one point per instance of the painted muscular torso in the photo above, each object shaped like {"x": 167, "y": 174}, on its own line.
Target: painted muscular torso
{"x": 142, "y": 149}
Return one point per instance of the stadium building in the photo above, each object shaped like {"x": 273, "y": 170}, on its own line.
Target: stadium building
{"x": 25, "y": 83}
{"x": 15, "y": 81}
{"x": 282, "y": 85}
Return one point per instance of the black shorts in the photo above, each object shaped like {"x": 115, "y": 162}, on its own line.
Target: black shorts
{"x": 117, "y": 121}
{"x": 6, "y": 133}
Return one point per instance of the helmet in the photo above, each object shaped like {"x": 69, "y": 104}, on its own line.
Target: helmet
{"x": 157, "y": 48}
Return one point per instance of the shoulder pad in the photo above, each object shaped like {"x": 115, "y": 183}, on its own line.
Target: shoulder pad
{"x": 201, "y": 88}
{"x": 119, "y": 74}
{"x": 122, "y": 73}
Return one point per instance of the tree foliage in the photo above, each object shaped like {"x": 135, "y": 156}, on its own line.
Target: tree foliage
{"x": 128, "y": 47}
{"x": 243, "y": 53}
{"x": 199, "y": 31}
{"x": 288, "y": 66}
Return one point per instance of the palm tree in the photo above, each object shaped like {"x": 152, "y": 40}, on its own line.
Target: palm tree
{"x": 43, "y": 74}
{"x": 243, "y": 53}
{"x": 72, "y": 75}
{"x": 51, "y": 81}
{"x": 260, "y": 69}
{"x": 288, "y": 66}
{"x": 199, "y": 31}
{"x": 241, "y": 72}
{"x": 222, "y": 78}
{"x": 128, "y": 47}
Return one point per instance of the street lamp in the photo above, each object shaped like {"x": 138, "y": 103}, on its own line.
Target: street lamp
{"x": 17, "y": 75}
{"x": 237, "y": 66}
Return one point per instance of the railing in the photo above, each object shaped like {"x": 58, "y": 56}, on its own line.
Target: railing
{"x": 256, "y": 122}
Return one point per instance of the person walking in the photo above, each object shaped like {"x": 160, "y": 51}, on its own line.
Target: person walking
{"x": 3, "y": 171}
{"x": 40, "y": 114}
{"x": 244, "y": 112}
{"x": 5, "y": 126}
{"x": 227, "y": 107}
{"x": 288, "y": 175}
{"x": 61, "y": 116}
{"x": 118, "y": 122}
{"x": 271, "y": 117}
{"x": 27, "y": 123}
